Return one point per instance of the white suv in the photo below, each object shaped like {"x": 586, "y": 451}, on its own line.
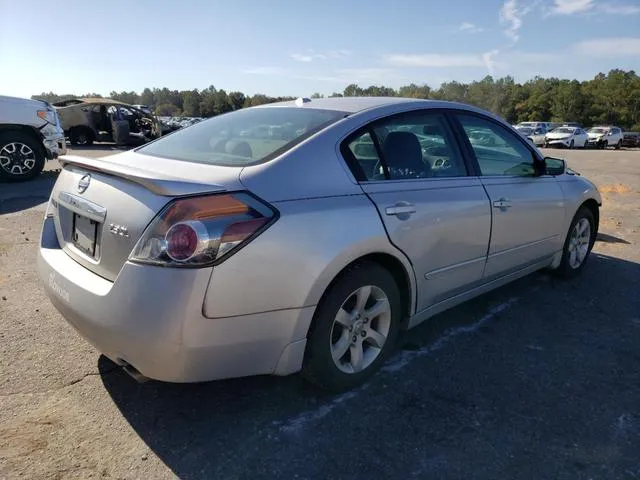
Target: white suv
{"x": 30, "y": 133}
{"x": 603, "y": 137}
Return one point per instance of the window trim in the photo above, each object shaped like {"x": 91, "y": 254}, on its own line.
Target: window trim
{"x": 358, "y": 172}
{"x": 538, "y": 161}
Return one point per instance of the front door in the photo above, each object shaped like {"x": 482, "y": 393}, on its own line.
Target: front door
{"x": 528, "y": 209}
{"x": 432, "y": 210}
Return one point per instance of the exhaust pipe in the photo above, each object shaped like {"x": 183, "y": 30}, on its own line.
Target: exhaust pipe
{"x": 132, "y": 371}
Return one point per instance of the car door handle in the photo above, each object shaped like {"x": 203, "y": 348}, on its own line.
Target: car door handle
{"x": 401, "y": 208}
{"x": 502, "y": 204}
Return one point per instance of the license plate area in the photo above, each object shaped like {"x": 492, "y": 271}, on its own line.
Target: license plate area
{"x": 85, "y": 234}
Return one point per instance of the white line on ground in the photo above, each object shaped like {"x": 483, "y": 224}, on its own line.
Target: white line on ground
{"x": 296, "y": 424}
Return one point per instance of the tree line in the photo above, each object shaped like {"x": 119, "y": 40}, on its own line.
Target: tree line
{"x": 612, "y": 98}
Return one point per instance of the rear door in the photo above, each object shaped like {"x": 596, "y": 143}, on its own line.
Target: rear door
{"x": 439, "y": 216}
{"x": 528, "y": 209}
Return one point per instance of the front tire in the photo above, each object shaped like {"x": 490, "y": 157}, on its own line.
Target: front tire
{"x": 619, "y": 145}
{"x": 571, "y": 145}
{"x": 578, "y": 244}
{"x": 355, "y": 328}
{"x": 22, "y": 157}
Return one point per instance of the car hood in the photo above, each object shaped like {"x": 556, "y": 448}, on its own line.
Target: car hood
{"x": 595, "y": 135}
{"x": 558, "y": 136}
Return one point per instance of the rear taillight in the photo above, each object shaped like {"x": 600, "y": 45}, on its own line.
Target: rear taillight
{"x": 201, "y": 231}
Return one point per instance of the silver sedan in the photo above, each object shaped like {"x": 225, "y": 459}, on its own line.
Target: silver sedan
{"x": 303, "y": 236}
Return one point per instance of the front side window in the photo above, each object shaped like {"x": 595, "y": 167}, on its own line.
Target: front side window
{"x": 417, "y": 145}
{"x": 497, "y": 150}
{"x": 244, "y": 137}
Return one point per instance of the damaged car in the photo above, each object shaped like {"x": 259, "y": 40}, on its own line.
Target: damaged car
{"x": 86, "y": 120}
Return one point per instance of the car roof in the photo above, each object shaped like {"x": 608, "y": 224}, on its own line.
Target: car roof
{"x": 353, "y": 104}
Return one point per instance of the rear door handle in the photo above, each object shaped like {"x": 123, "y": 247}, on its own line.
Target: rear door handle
{"x": 401, "y": 208}
{"x": 502, "y": 204}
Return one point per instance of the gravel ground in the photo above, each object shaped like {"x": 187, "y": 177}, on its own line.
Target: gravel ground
{"x": 539, "y": 379}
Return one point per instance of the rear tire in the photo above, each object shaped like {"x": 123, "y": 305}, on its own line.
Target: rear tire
{"x": 578, "y": 244}
{"x": 82, "y": 136}
{"x": 22, "y": 157}
{"x": 354, "y": 329}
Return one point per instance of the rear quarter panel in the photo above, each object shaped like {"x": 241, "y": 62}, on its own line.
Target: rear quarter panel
{"x": 293, "y": 262}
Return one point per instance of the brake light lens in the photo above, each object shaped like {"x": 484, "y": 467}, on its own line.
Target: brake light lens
{"x": 201, "y": 231}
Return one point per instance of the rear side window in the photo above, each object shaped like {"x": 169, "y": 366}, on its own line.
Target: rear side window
{"x": 244, "y": 137}
{"x": 411, "y": 146}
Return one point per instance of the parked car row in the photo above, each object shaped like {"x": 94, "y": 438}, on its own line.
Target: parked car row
{"x": 574, "y": 136}
{"x": 171, "y": 124}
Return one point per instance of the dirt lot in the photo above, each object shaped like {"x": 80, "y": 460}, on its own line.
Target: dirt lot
{"x": 539, "y": 379}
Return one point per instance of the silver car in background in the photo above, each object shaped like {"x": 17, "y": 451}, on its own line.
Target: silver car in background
{"x": 221, "y": 251}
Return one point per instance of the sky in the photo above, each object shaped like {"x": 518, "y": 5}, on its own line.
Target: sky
{"x": 299, "y": 47}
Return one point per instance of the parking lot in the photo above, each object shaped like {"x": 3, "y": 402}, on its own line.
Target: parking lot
{"x": 539, "y": 379}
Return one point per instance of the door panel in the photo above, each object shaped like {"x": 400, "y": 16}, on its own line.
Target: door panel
{"x": 528, "y": 209}
{"x": 528, "y": 217}
{"x": 442, "y": 225}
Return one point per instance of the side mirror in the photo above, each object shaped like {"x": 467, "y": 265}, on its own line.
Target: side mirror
{"x": 554, "y": 166}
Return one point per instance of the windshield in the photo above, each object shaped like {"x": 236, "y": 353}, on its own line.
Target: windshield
{"x": 243, "y": 137}
{"x": 598, "y": 130}
{"x": 564, "y": 130}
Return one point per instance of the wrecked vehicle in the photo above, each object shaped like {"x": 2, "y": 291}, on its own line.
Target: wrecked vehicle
{"x": 86, "y": 120}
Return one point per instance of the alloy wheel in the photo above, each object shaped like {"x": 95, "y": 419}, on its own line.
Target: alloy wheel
{"x": 17, "y": 158}
{"x": 579, "y": 243}
{"x": 360, "y": 329}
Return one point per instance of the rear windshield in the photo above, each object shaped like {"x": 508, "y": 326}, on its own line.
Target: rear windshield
{"x": 244, "y": 137}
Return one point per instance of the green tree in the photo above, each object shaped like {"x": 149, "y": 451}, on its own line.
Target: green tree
{"x": 191, "y": 103}
{"x": 237, "y": 100}
{"x": 415, "y": 91}
{"x": 167, "y": 110}
{"x": 131, "y": 98}
{"x": 147, "y": 98}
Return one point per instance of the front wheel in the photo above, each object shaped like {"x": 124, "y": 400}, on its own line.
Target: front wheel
{"x": 572, "y": 144}
{"x": 579, "y": 242}
{"x": 619, "y": 144}
{"x": 355, "y": 328}
{"x": 22, "y": 157}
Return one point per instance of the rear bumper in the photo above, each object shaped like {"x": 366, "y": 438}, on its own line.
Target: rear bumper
{"x": 151, "y": 318}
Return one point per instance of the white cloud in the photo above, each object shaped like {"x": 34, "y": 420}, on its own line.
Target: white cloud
{"x": 569, "y": 7}
{"x": 511, "y": 17}
{"x": 310, "y": 55}
{"x": 489, "y": 61}
{"x": 469, "y": 28}
{"x": 434, "y": 60}
{"x": 609, "y": 47}
{"x": 368, "y": 76}
{"x": 572, "y": 7}
{"x": 263, "y": 70}
{"x": 619, "y": 9}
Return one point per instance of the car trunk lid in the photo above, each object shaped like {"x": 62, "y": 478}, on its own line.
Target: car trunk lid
{"x": 102, "y": 206}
